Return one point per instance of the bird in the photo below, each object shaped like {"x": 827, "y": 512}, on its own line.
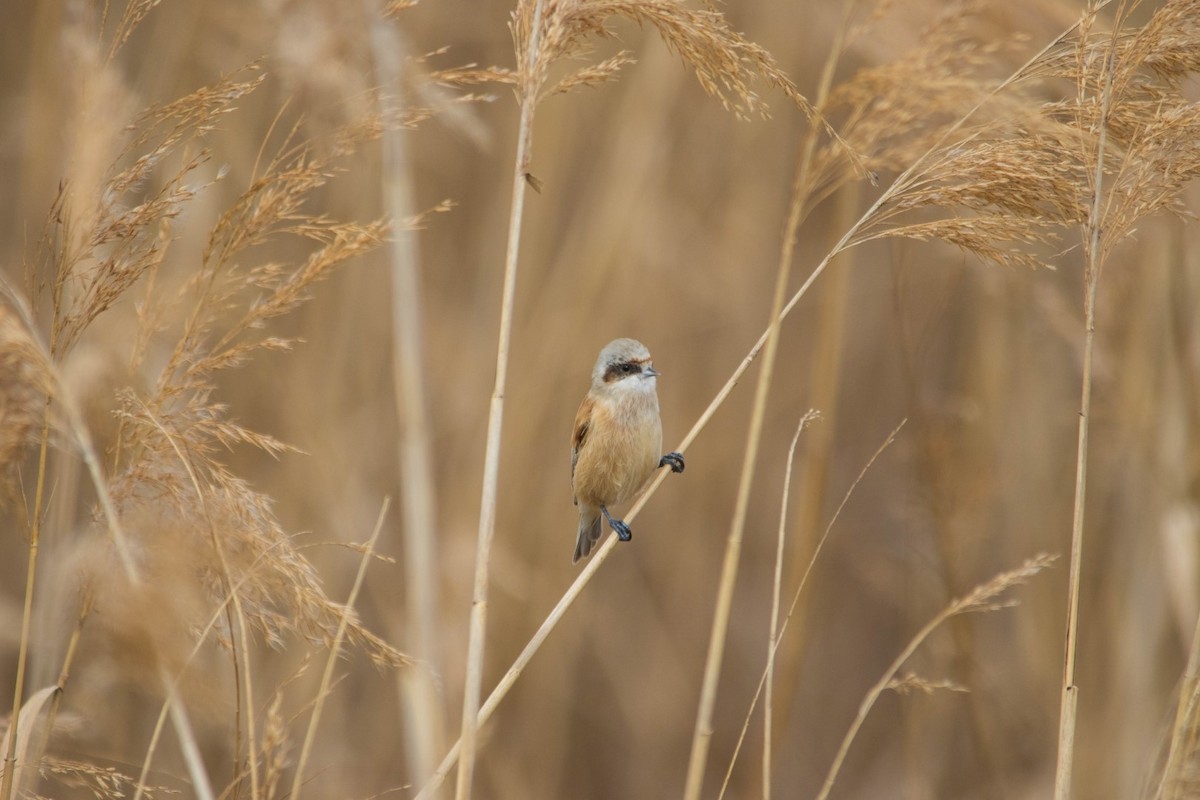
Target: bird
{"x": 617, "y": 440}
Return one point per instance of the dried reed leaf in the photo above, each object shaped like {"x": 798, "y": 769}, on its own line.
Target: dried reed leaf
{"x": 24, "y": 733}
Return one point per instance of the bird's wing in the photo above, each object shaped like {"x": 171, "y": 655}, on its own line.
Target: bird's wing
{"x": 583, "y": 419}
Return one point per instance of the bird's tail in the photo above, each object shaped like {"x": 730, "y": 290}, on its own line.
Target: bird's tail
{"x": 589, "y": 532}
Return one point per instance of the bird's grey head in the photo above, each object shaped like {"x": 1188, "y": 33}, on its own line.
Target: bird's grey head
{"x": 624, "y": 364}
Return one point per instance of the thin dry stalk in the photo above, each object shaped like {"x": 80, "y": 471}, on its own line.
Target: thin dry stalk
{"x": 152, "y": 747}
{"x": 982, "y": 598}
{"x": 421, "y": 707}
{"x": 64, "y": 673}
{"x": 812, "y": 560}
{"x": 528, "y": 95}
{"x": 776, "y": 588}
{"x": 335, "y": 649}
{"x": 187, "y": 741}
{"x": 1070, "y": 692}
{"x": 243, "y": 685}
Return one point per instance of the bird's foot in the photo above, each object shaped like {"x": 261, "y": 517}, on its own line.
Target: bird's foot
{"x": 672, "y": 460}
{"x": 619, "y": 527}
{"x": 623, "y": 531}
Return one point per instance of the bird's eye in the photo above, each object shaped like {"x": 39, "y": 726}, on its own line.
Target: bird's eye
{"x": 627, "y": 368}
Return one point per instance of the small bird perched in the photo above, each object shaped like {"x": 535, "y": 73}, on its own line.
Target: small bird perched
{"x": 617, "y": 439}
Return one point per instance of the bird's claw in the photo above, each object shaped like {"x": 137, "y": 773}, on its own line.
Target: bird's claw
{"x": 672, "y": 460}
{"x": 622, "y": 530}
{"x": 618, "y": 526}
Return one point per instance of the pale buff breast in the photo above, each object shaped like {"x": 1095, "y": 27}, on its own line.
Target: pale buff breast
{"x": 621, "y": 452}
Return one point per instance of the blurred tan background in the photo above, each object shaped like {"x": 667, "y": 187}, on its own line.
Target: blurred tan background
{"x": 660, "y": 219}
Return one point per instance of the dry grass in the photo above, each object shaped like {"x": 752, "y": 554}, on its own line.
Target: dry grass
{"x": 222, "y": 308}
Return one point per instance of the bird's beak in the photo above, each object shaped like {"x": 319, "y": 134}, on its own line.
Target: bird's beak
{"x": 651, "y": 372}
